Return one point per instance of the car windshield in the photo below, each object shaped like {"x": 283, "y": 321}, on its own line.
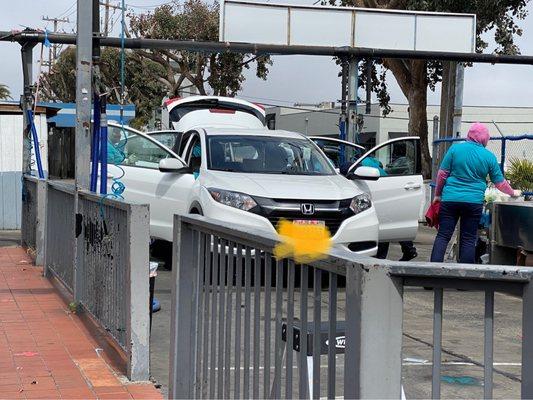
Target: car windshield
{"x": 266, "y": 155}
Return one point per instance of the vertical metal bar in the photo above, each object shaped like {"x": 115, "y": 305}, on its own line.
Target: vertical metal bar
{"x": 527, "y": 342}
{"x": 214, "y": 313}
{"x": 437, "y": 342}
{"x": 221, "y": 315}
{"x": 278, "y": 345}
{"x": 238, "y": 302}
{"x": 229, "y": 302}
{"x": 332, "y": 332}
{"x": 183, "y": 334}
{"x": 503, "y": 154}
{"x": 247, "y": 306}
{"x": 267, "y": 325}
{"x": 200, "y": 315}
{"x": 290, "y": 330}
{"x": 207, "y": 294}
{"x": 317, "y": 304}
{"x": 489, "y": 343}
{"x": 84, "y": 49}
{"x": 303, "y": 382}
{"x": 257, "y": 319}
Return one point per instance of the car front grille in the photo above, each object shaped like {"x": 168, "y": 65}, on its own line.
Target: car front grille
{"x": 333, "y": 213}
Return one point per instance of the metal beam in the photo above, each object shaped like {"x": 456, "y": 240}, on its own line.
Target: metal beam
{"x": 219, "y": 47}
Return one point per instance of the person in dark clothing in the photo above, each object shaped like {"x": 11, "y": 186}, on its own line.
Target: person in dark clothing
{"x": 408, "y": 250}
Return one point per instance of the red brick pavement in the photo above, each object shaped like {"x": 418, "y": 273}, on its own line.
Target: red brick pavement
{"x": 45, "y": 351}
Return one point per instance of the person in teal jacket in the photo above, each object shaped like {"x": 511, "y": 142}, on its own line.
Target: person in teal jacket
{"x": 461, "y": 185}
{"x": 115, "y": 152}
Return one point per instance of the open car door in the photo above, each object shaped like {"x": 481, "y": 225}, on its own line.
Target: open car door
{"x": 398, "y": 193}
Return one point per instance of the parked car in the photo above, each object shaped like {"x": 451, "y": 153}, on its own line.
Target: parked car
{"x": 252, "y": 177}
{"x": 256, "y": 177}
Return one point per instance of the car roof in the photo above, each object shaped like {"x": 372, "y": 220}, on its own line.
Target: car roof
{"x": 253, "y": 132}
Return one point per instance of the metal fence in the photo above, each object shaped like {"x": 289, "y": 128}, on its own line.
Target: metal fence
{"x": 59, "y": 247}
{"x": 245, "y": 325}
{"x": 112, "y": 273}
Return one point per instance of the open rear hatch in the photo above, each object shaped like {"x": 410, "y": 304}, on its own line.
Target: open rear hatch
{"x": 178, "y": 108}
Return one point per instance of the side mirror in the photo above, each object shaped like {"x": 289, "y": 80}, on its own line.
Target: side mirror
{"x": 173, "y": 165}
{"x": 365, "y": 173}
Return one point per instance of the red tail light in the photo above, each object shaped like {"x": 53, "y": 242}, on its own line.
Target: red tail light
{"x": 172, "y": 100}
{"x": 221, "y": 111}
{"x": 262, "y": 107}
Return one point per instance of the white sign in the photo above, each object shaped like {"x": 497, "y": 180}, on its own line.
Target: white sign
{"x": 269, "y": 23}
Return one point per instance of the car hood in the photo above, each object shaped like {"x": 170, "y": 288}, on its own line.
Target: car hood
{"x": 278, "y": 186}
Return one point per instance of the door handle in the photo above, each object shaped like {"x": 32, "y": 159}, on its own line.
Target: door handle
{"x": 412, "y": 186}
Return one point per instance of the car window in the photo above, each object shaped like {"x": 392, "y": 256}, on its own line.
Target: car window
{"x": 128, "y": 148}
{"x": 266, "y": 155}
{"x": 332, "y": 150}
{"x": 168, "y": 139}
{"x": 396, "y": 158}
{"x": 194, "y": 155}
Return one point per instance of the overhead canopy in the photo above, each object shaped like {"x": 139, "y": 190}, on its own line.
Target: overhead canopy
{"x": 280, "y": 24}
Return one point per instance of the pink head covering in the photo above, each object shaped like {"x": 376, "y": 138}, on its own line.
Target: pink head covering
{"x": 479, "y": 133}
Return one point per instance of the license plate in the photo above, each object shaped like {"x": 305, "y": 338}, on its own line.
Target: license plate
{"x": 308, "y": 222}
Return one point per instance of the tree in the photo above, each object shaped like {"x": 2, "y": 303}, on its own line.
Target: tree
{"x": 140, "y": 88}
{"x": 415, "y": 76}
{"x": 4, "y": 92}
{"x": 199, "y": 21}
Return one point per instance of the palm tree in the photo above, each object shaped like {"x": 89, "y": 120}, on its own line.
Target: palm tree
{"x": 4, "y": 92}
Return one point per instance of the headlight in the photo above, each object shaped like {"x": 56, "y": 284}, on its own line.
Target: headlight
{"x": 233, "y": 199}
{"x": 360, "y": 203}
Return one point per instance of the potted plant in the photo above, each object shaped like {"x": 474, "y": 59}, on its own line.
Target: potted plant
{"x": 520, "y": 175}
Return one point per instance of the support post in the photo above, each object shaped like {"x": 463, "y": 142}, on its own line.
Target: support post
{"x": 368, "y": 85}
{"x": 447, "y": 101}
{"x": 184, "y": 292}
{"x": 83, "y": 92}
{"x": 527, "y": 342}
{"x": 84, "y": 50}
{"x": 138, "y": 293}
{"x": 434, "y": 155}
{"x": 343, "y": 119}
{"x": 353, "y": 81}
{"x": 458, "y": 100}
{"x": 374, "y": 303}
{"x": 40, "y": 233}
{"x": 27, "y": 103}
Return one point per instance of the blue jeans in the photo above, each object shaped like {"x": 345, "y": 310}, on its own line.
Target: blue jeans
{"x": 450, "y": 212}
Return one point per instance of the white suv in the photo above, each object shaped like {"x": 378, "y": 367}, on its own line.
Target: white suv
{"x": 248, "y": 177}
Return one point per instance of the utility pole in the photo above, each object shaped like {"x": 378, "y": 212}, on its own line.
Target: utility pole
{"x": 107, "y": 6}
{"x": 106, "y": 18}
{"x": 451, "y": 108}
{"x": 52, "y": 51}
{"x": 353, "y": 83}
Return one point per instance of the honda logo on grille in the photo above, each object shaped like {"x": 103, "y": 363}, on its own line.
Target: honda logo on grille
{"x": 307, "y": 208}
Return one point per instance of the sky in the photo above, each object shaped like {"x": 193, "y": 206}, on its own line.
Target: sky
{"x": 292, "y": 79}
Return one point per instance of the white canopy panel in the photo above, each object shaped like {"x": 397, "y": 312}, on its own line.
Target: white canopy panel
{"x": 269, "y": 23}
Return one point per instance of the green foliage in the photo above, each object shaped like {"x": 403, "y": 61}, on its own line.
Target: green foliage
{"x": 520, "y": 174}
{"x": 415, "y": 76}
{"x": 4, "y": 92}
{"x": 199, "y": 21}
{"x": 141, "y": 89}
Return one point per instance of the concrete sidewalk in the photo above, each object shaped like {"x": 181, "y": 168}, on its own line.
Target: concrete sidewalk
{"x": 45, "y": 351}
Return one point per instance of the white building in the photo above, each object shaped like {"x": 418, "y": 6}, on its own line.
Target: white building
{"x": 323, "y": 120}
